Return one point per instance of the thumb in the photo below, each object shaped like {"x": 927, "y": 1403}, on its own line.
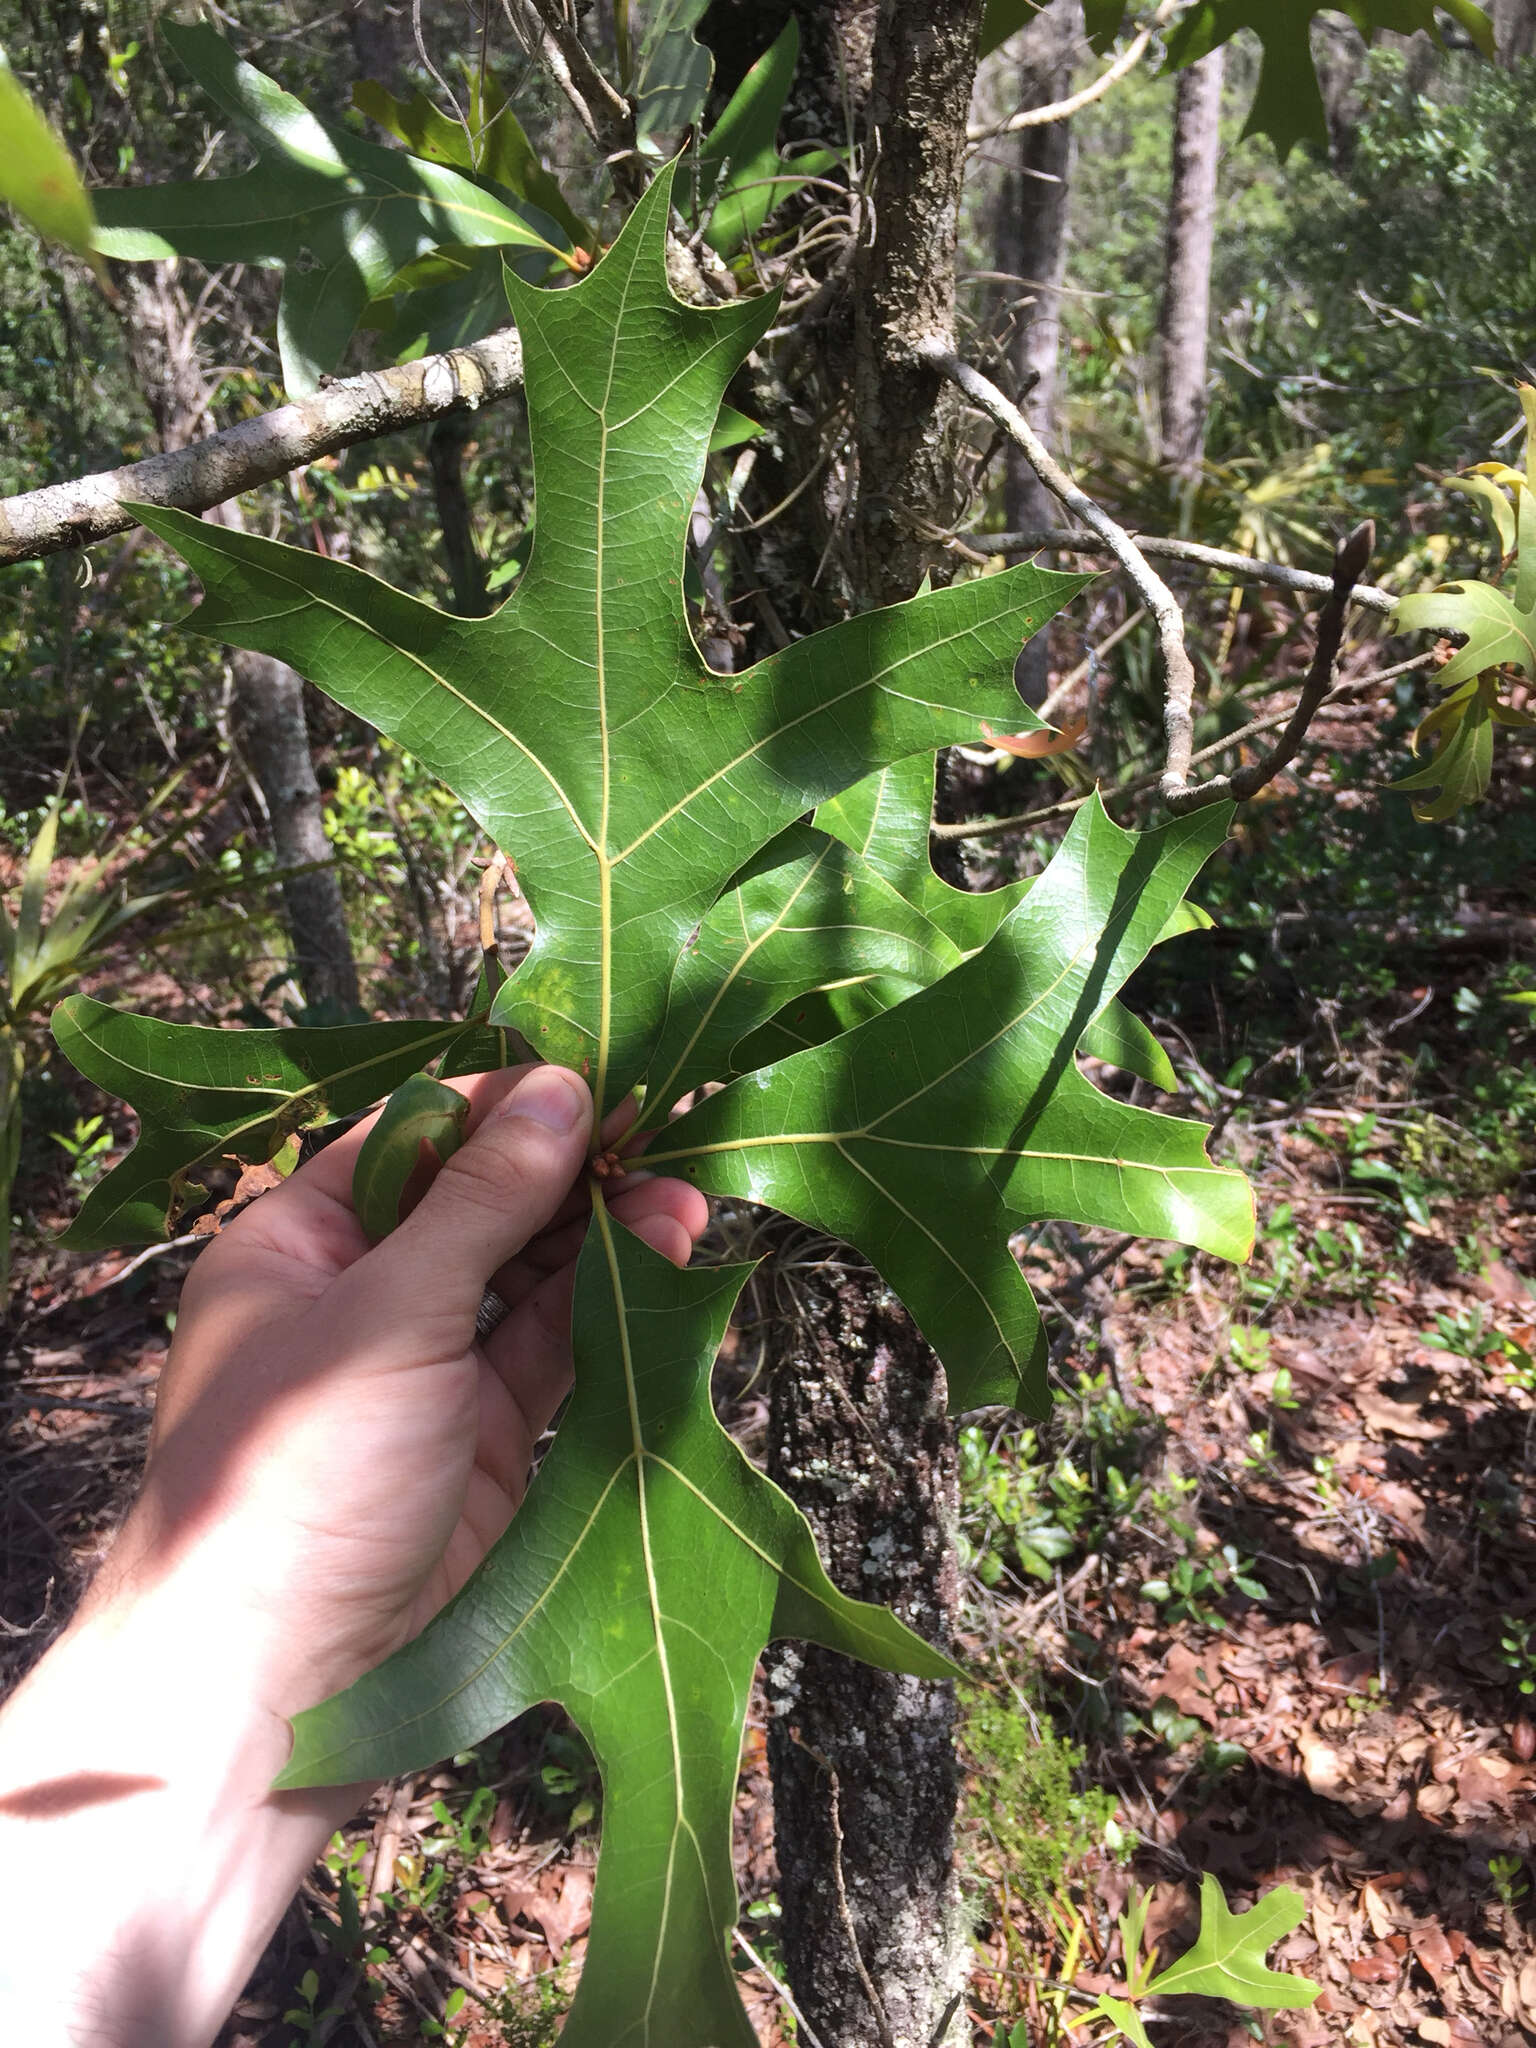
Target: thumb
{"x": 417, "y": 1292}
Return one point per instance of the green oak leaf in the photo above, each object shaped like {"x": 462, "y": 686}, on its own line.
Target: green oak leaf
{"x": 494, "y": 146}
{"x": 1288, "y": 104}
{"x": 674, "y": 69}
{"x": 1227, "y": 1960}
{"x": 338, "y": 216}
{"x": 578, "y": 724}
{"x": 887, "y": 818}
{"x": 204, "y": 1095}
{"x": 929, "y": 1133}
{"x": 806, "y": 913}
{"x": 815, "y": 917}
{"x": 420, "y": 1112}
{"x": 642, "y": 1576}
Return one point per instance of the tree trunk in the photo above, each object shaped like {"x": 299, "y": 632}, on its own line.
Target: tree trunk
{"x": 863, "y": 1762}
{"x": 162, "y": 342}
{"x": 270, "y": 697}
{"x": 1184, "y": 327}
{"x": 1032, "y": 243}
{"x": 1514, "y": 28}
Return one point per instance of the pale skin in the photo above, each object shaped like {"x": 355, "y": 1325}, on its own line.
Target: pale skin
{"x": 333, "y": 1454}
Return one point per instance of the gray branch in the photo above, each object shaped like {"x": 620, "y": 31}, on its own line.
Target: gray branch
{"x": 211, "y": 471}
{"x": 1178, "y": 669}
{"x": 1074, "y": 540}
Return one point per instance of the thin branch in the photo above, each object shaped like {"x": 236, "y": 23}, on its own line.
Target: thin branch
{"x": 1243, "y": 568}
{"x": 1179, "y": 671}
{"x": 1063, "y": 110}
{"x": 211, "y": 471}
{"x": 987, "y": 828}
{"x": 1348, "y": 564}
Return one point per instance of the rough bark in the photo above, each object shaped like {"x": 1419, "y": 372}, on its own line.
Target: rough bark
{"x": 904, "y": 289}
{"x": 162, "y": 340}
{"x": 863, "y": 1762}
{"x": 1514, "y": 28}
{"x": 864, "y": 1771}
{"x": 1184, "y": 326}
{"x": 1034, "y": 220}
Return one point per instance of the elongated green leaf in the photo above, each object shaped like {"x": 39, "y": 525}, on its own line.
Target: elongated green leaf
{"x": 740, "y": 168}
{"x": 338, "y": 216}
{"x": 420, "y": 1112}
{"x": 579, "y": 725}
{"x": 37, "y": 173}
{"x": 645, "y": 1571}
{"x": 909, "y": 1136}
{"x": 806, "y": 913}
{"x": 495, "y": 147}
{"x": 203, "y": 1094}
{"x": 1227, "y": 1961}
{"x": 1288, "y": 104}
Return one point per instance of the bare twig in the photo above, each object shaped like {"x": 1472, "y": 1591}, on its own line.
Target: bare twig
{"x": 781, "y": 1990}
{"x": 985, "y": 828}
{"x": 211, "y": 471}
{"x": 1121, "y": 67}
{"x": 1348, "y": 564}
{"x": 1244, "y": 568}
{"x": 1179, "y": 671}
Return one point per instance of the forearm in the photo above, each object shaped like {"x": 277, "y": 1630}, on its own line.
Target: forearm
{"x": 143, "y": 1861}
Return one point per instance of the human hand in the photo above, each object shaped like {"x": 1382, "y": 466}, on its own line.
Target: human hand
{"x": 334, "y": 1452}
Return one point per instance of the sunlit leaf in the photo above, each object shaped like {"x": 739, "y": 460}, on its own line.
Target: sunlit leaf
{"x": 338, "y": 216}
{"x": 1227, "y": 1960}
{"x": 644, "y": 1573}
{"x": 38, "y": 175}
{"x": 930, "y": 1133}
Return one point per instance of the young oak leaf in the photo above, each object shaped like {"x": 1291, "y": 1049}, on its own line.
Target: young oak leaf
{"x": 338, "y": 216}
{"x": 578, "y": 725}
{"x": 907, "y": 1136}
{"x": 1227, "y": 1960}
{"x": 203, "y": 1095}
{"x": 637, "y": 1585}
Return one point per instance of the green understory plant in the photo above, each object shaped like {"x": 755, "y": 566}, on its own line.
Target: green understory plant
{"x": 900, "y": 1060}
{"x": 1226, "y": 1961}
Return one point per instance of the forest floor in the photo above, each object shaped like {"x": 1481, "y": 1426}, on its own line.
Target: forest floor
{"x": 1347, "y": 1427}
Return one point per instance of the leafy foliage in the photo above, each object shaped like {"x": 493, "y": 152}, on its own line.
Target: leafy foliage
{"x": 580, "y": 728}
{"x": 969, "y": 1093}
{"x": 338, "y": 216}
{"x": 631, "y": 781}
{"x": 1288, "y": 105}
{"x": 1498, "y": 629}
{"x": 37, "y": 173}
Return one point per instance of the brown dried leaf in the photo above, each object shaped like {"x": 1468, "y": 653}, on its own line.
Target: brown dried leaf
{"x": 1394, "y": 1418}
{"x": 1433, "y": 1954}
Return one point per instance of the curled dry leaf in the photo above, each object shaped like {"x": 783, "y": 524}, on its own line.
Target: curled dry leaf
{"x": 1037, "y": 746}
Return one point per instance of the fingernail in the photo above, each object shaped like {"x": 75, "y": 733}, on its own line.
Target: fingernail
{"x": 548, "y": 1096}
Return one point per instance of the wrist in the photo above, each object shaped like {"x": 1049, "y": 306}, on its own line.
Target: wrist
{"x": 142, "y": 1749}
